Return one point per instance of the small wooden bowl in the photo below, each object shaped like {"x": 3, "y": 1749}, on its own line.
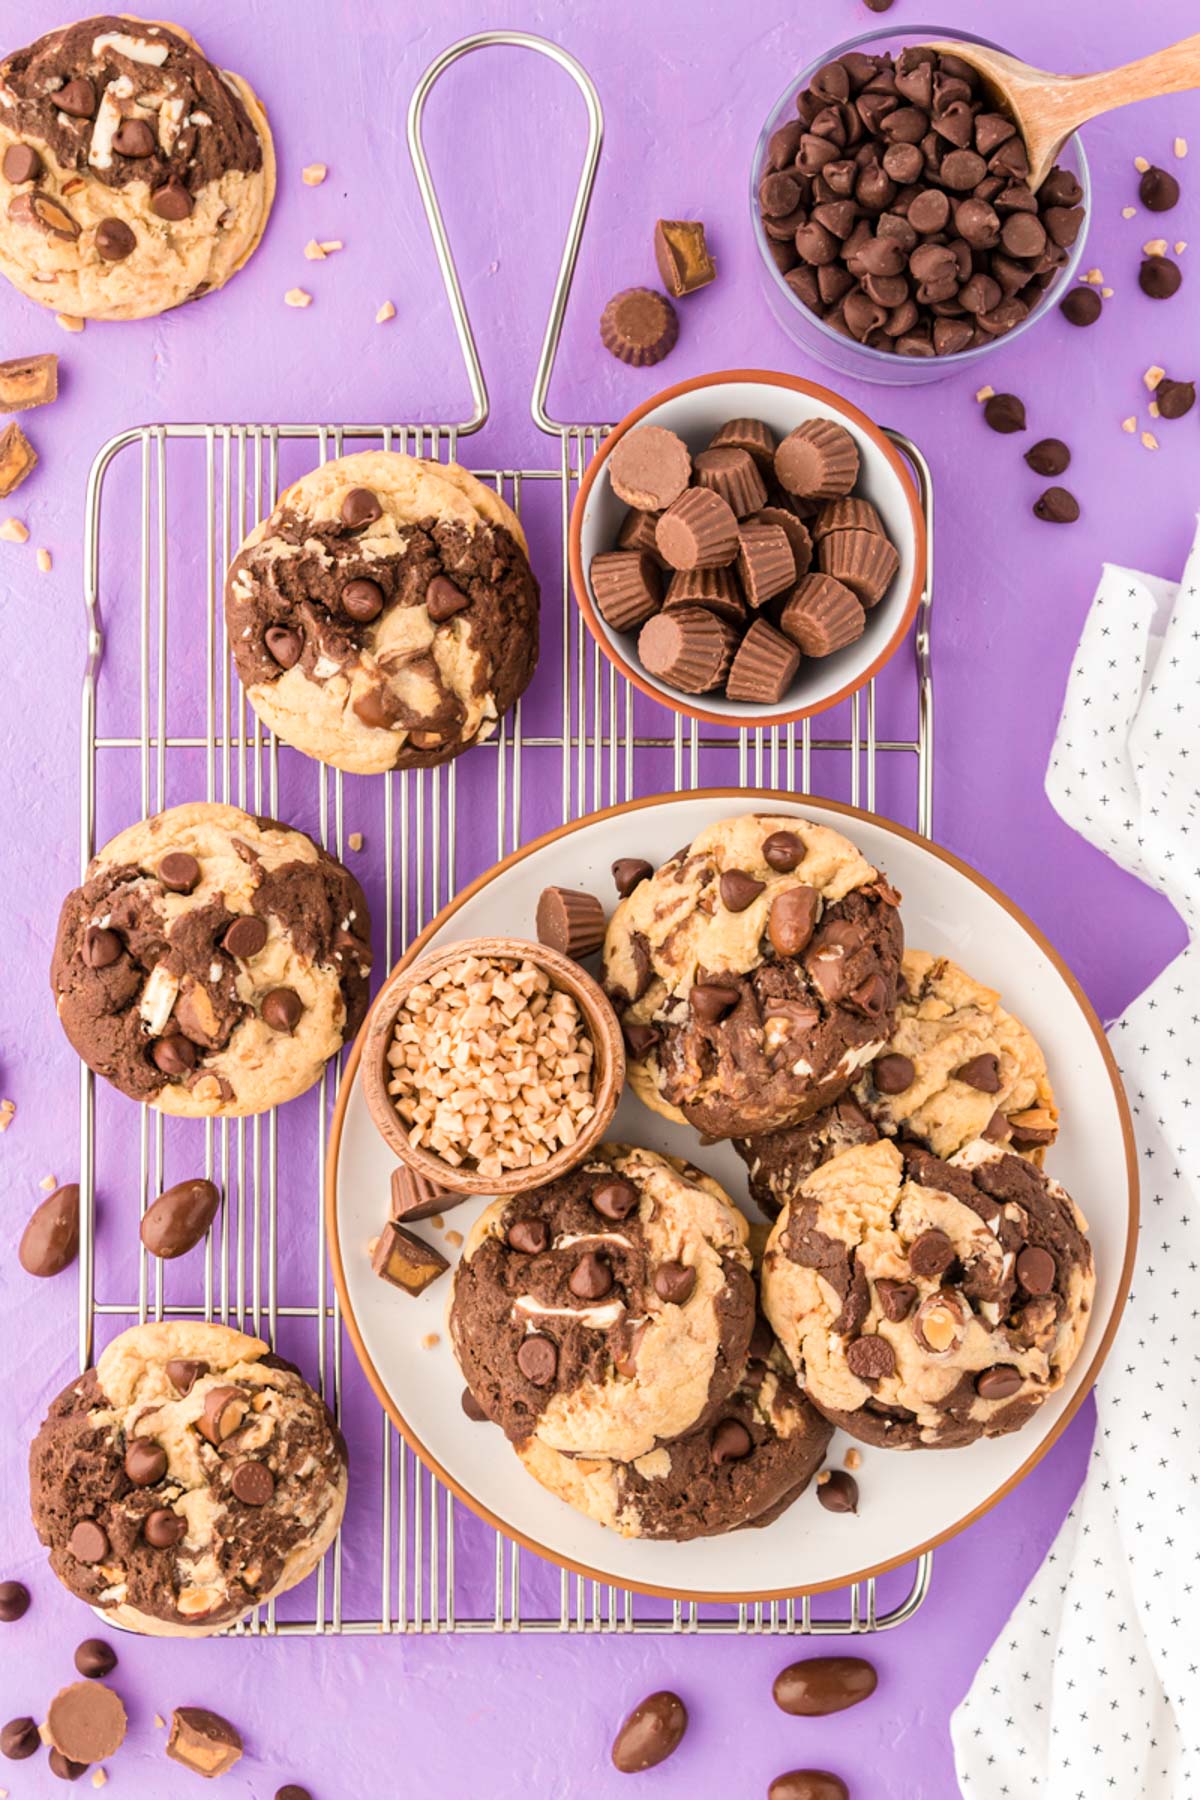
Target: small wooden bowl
{"x": 608, "y": 1069}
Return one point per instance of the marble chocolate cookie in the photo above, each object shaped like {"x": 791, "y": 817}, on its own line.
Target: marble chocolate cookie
{"x": 133, "y": 174}
{"x": 385, "y": 616}
{"x": 608, "y": 1312}
{"x": 925, "y": 1303}
{"x": 188, "y": 1477}
{"x": 755, "y": 973}
{"x": 744, "y": 1469}
{"x": 212, "y": 962}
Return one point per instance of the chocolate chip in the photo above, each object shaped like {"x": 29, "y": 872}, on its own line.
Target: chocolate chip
{"x": 1158, "y": 190}
{"x": 50, "y": 1241}
{"x": 245, "y": 937}
{"x": 819, "y": 1685}
{"x": 179, "y": 872}
{"x": 145, "y": 1461}
{"x": 174, "y": 1055}
{"x": 537, "y": 1360}
{"x": 1049, "y": 456}
{"x": 627, "y": 872}
{"x": 252, "y": 1483}
{"x": 1159, "y": 277}
{"x": 95, "y": 1659}
{"x": 998, "y": 1383}
{"x": 443, "y": 599}
{"x": 870, "y": 1358}
{"x": 996, "y": 1131}
{"x": 19, "y": 1739}
{"x": 793, "y": 919}
{"x": 360, "y": 507}
{"x": 284, "y": 645}
{"x": 179, "y": 1218}
{"x": 21, "y": 163}
{"x": 163, "y": 1528}
{"x": 64, "y": 1768}
{"x": 282, "y": 1009}
{"x": 674, "y": 1282}
{"x": 1005, "y": 413}
{"x": 472, "y": 1408}
{"x": 1174, "y": 398}
{"x": 616, "y": 1199}
{"x": 738, "y": 890}
{"x": 77, "y": 98}
{"x": 101, "y": 947}
{"x": 171, "y": 201}
{"x": 640, "y": 1039}
{"x": 839, "y": 1494}
{"x": 591, "y": 1278}
{"x": 896, "y": 1299}
{"x": 981, "y": 1073}
{"x": 114, "y": 240}
{"x": 363, "y": 600}
{"x": 1036, "y": 1270}
{"x": 783, "y": 851}
{"x": 183, "y": 1373}
{"x": 134, "y": 138}
{"x": 931, "y": 1253}
{"x": 893, "y": 1073}
{"x": 652, "y": 1732}
{"x": 293, "y": 1791}
{"x": 710, "y": 1002}
{"x": 730, "y": 1442}
{"x": 88, "y": 1542}
{"x": 14, "y": 1601}
{"x": 1057, "y": 506}
{"x": 529, "y": 1236}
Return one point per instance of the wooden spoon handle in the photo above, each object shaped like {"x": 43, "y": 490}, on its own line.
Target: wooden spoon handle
{"x": 1074, "y": 100}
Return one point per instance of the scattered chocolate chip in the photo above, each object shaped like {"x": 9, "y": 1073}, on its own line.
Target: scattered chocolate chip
{"x": 179, "y": 1218}
{"x": 739, "y": 890}
{"x": 627, "y": 872}
{"x": 896, "y": 1299}
{"x": 64, "y": 1768}
{"x": 282, "y": 1008}
{"x": 252, "y": 1483}
{"x": 245, "y": 937}
{"x": 815, "y": 1784}
{"x": 1159, "y": 277}
{"x": 870, "y": 1358}
{"x": 472, "y": 1408}
{"x": 14, "y": 1601}
{"x": 145, "y": 1463}
{"x": 50, "y": 1241}
{"x": 591, "y": 1278}
{"x": 179, "y": 872}
{"x": 652, "y": 1732}
{"x": 362, "y": 599}
{"x": 77, "y": 98}
{"x": 1049, "y": 456}
{"x": 998, "y": 1383}
{"x": 570, "y": 921}
{"x": 931, "y": 1254}
{"x": 1057, "y": 506}
{"x": 284, "y": 645}
{"x": 893, "y": 1073}
{"x": 616, "y": 1199}
{"x": 537, "y": 1359}
{"x": 114, "y": 240}
{"x": 1004, "y": 413}
{"x": 1036, "y": 1270}
{"x": 674, "y": 1283}
{"x": 839, "y": 1494}
{"x": 710, "y": 1002}
{"x": 163, "y": 1528}
{"x": 406, "y": 1260}
{"x": 793, "y": 919}
{"x": 172, "y": 201}
{"x": 95, "y": 1659}
{"x": 360, "y": 507}
{"x": 293, "y": 1791}
{"x": 639, "y": 327}
{"x": 183, "y": 1373}
{"x": 1158, "y": 190}
{"x": 88, "y": 1542}
{"x": 1174, "y": 398}
{"x": 529, "y": 1237}
{"x": 20, "y": 1739}
{"x": 443, "y": 599}
{"x": 101, "y": 947}
{"x": 783, "y": 851}
{"x": 134, "y": 138}
{"x": 1082, "y": 306}
{"x": 203, "y": 1741}
{"x": 981, "y": 1073}
{"x": 21, "y": 163}
{"x": 819, "y": 1685}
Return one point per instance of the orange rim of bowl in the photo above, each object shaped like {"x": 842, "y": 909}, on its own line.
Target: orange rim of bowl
{"x": 754, "y": 797}
{"x": 632, "y": 671}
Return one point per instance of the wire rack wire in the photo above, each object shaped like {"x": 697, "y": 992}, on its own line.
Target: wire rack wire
{"x": 167, "y": 506}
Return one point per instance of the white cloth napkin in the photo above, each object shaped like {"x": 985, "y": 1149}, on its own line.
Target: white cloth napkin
{"x": 1093, "y": 1688}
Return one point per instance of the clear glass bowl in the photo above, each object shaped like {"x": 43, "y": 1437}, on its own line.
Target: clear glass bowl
{"x": 846, "y": 355}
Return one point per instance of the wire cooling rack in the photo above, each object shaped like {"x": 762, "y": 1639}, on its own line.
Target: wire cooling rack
{"x": 164, "y": 720}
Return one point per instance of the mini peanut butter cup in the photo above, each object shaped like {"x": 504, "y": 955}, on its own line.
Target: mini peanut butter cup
{"x": 689, "y": 648}
{"x": 627, "y": 587}
{"x": 649, "y": 468}
{"x": 698, "y": 531}
{"x": 796, "y": 531}
{"x": 748, "y": 434}
{"x": 637, "y": 533}
{"x": 818, "y": 461}
{"x": 764, "y": 666}
{"x": 639, "y": 326}
{"x": 734, "y": 475}
{"x": 822, "y": 616}
{"x": 847, "y": 514}
{"x": 765, "y": 563}
{"x": 715, "y": 589}
{"x": 862, "y": 560}
{"x": 570, "y": 921}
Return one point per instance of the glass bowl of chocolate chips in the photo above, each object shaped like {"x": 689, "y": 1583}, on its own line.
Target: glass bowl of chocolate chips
{"x": 900, "y": 239}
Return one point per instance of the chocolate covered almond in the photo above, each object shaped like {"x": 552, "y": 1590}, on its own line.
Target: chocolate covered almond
{"x": 764, "y": 666}
{"x": 863, "y": 561}
{"x": 698, "y": 531}
{"x": 626, "y": 586}
{"x": 822, "y": 615}
{"x": 765, "y": 563}
{"x": 732, "y": 473}
{"x": 689, "y": 648}
{"x": 818, "y": 460}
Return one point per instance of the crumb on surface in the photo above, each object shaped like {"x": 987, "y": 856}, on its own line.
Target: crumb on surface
{"x": 1128, "y": 212}
{"x": 454, "y": 1239}
{"x": 14, "y": 531}
{"x": 853, "y": 1458}
{"x": 1155, "y": 247}
{"x": 1149, "y": 441}
{"x": 1180, "y": 146}
{"x": 355, "y": 840}
{"x": 314, "y": 174}
{"x": 984, "y": 393}
{"x": 8, "y": 1112}
{"x": 1153, "y": 376}
{"x": 429, "y": 1340}
{"x": 1094, "y": 278}
{"x": 1140, "y": 164}
{"x": 329, "y": 245}
{"x": 1129, "y": 424}
{"x": 297, "y": 297}
{"x": 45, "y": 561}
{"x": 48, "y": 1183}
{"x": 387, "y": 311}
{"x": 68, "y": 322}
{"x": 314, "y": 251}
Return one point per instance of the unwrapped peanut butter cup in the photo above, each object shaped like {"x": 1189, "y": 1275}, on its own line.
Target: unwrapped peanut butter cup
{"x": 649, "y": 468}
{"x": 688, "y": 647}
{"x": 818, "y": 461}
{"x": 698, "y": 531}
{"x": 765, "y": 562}
{"x": 715, "y": 589}
{"x": 863, "y": 560}
{"x": 748, "y": 434}
{"x": 764, "y": 666}
{"x": 639, "y": 326}
{"x": 637, "y": 533}
{"x": 570, "y": 921}
{"x": 822, "y": 616}
{"x": 794, "y": 529}
{"x": 847, "y": 514}
{"x": 627, "y": 587}
{"x": 734, "y": 475}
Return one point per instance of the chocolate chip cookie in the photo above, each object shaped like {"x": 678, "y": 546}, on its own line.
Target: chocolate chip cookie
{"x": 755, "y": 973}
{"x": 609, "y": 1312}
{"x": 385, "y": 616}
{"x": 744, "y": 1469}
{"x": 188, "y": 1477}
{"x": 212, "y": 963}
{"x": 925, "y": 1303}
{"x": 133, "y": 174}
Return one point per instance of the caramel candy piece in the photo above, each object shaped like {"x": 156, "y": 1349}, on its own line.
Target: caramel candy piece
{"x": 822, "y": 616}
{"x": 415, "y": 1197}
{"x": 18, "y": 458}
{"x": 570, "y": 921}
{"x": 203, "y": 1741}
{"x": 639, "y": 327}
{"x": 698, "y": 531}
{"x": 405, "y": 1260}
{"x": 681, "y": 252}
{"x": 688, "y": 648}
{"x": 27, "y": 381}
{"x": 764, "y": 666}
{"x": 627, "y": 587}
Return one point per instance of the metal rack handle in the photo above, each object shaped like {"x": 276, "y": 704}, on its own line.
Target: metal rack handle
{"x": 521, "y": 40}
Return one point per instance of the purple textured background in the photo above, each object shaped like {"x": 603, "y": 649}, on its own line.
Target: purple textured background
{"x": 685, "y": 86}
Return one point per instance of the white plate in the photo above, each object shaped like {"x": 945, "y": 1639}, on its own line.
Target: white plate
{"x": 908, "y": 1501}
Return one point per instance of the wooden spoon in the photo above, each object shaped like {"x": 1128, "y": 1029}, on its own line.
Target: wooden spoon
{"x": 1047, "y": 108}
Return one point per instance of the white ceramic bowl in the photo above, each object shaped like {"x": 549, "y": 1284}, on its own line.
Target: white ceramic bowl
{"x": 695, "y": 410}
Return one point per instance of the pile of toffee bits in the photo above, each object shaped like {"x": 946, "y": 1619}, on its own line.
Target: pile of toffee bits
{"x": 736, "y": 563}
{"x": 896, "y": 206}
